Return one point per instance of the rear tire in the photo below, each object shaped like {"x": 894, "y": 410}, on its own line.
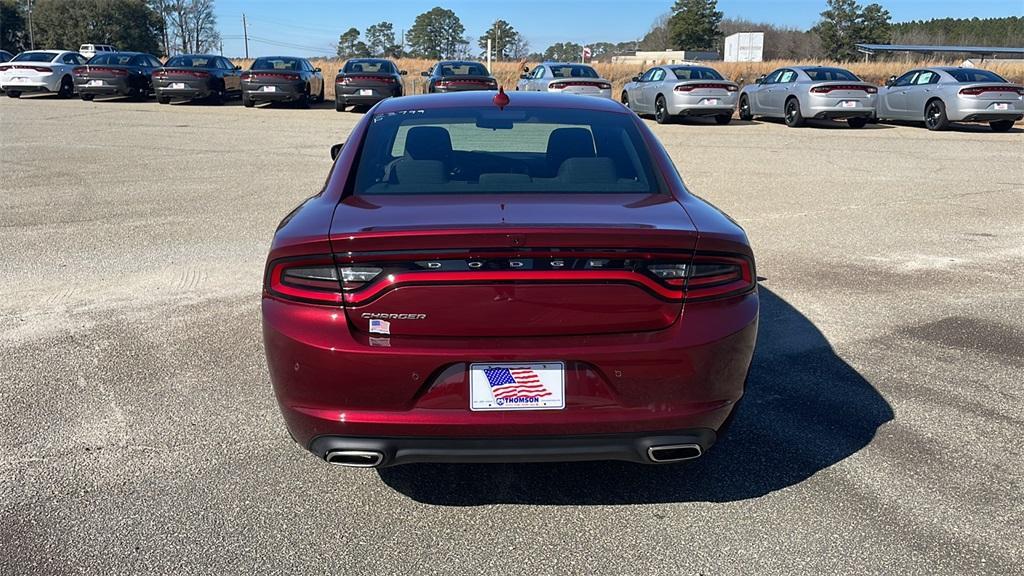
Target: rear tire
{"x": 320, "y": 98}
{"x": 857, "y": 122}
{"x": 304, "y": 100}
{"x": 1001, "y": 125}
{"x": 723, "y": 119}
{"x": 935, "y": 118}
{"x": 164, "y": 100}
{"x": 87, "y": 97}
{"x": 661, "y": 115}
{"x": 794, "y": 118}
{"x": 67, "y": 87}
{"x": 339, "y": 105}
{"x": 745, "y": 114}
{"x": 13, "y": 94}
{"x": 247, "y": 102}
{"x": 625, "y": 99}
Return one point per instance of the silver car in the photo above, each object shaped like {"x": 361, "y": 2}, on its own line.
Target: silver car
{"x": 939, "y": 96}
{"x": 798, "y": 93}
{"x": 674, "y": 91}
{"x": 564, "y": 78}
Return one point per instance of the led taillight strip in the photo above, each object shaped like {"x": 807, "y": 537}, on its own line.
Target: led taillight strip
{"x": 982, "y": 89}
{"x": 276, "y": 284}
{"x": 720, "y": 285}
{"x": 827, "y": 89}
{"x": 392, "y": 281}
{"x": 691, "y": 87}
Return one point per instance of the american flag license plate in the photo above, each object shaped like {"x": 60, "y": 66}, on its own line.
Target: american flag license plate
{"x": 529, "y": 386}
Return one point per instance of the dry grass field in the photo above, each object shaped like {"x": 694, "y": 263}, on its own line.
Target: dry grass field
{"x": 507, "y": 73}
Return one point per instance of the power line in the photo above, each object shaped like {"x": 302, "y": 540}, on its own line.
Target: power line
{"x": 298, "y": 26}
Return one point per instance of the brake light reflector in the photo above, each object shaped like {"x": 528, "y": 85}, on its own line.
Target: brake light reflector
{"x": 353, "y": 277}
{"x": 692, "y": 87}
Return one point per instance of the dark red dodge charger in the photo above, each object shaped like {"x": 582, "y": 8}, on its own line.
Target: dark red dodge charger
{"x": 487, "y": 278}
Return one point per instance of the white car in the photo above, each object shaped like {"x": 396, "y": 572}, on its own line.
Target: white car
{"x": 564, "y": 78}
{"x": 90, "y": 50}
{"x": 40, "y": 71}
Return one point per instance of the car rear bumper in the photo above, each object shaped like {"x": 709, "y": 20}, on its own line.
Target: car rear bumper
{"x": 838, "y": 113}
{"x": 686, "y": 105}
{"x": 983, "y": 111}
{"x": 27, "y": 87}
{"x": 655, "y": 448}
{"x": 333, "y": 381}
{"x": 284, "y": 92}
{"x": 189, "y": 92}
{"x": 598, "y": 93}
{"x": 118, "y": 87}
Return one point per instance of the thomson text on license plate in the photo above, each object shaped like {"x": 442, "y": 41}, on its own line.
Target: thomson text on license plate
{"x": 519, "y": 386}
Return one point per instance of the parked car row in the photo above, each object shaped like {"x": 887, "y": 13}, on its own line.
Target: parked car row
{"x": 936, "y": 95}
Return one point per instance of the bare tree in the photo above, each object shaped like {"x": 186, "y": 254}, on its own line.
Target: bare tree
{"x": 193, "y": 25}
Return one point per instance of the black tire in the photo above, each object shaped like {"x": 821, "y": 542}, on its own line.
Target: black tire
{"x": 87, "y": 97}
{"x": 661, "y": 115}
{"x": 794, "y": 118}
{"x": 723, "y": 119}
{"x": 220, "y": 97}
{"x": 745, "y": 114}
{"x": 164, "y": 100}
{"x": 247, "y": 102}
{"x": 13, "y": 94}
{"x": 1001, "y": 125}
{"x": 67, "y": 87}
{"x": 935, "y": 118}
{"x": 320, "y": 98}
{"x": 624, "y": 99}
{"x": 857, "y": 122}
{"x": 305, "y": 99}
{"x": 339, "y": 105}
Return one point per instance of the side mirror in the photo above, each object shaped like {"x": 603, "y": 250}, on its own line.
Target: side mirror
{"x": 760, "y": 78}
{"x": 402, "y": 72}
{"x": 336, "y": 150}
{"x": 317, "y": 69}
{"x": 526, "y": 69}
{"x": 424, "y": 74}
{"x": 523, "y": 76}
{"x": 891, "y": 80}
{"x": 238, "y": 67}
{"x": 635, "y": 79}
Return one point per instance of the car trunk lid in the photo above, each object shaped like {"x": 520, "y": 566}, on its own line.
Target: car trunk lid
{"x": 511, "y": 265}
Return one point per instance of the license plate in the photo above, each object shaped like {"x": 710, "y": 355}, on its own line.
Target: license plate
{"x": 366, "y": 92}
{"x": 270, "y": 88}
{"x": 848, "y": 103}
{"x": 1001, "y": 106}
{"x": 711, "y": 101}
{"x": 19, "y": 80}
{"x": 526, "y": 386}
{"x": 177, "y": 85}
{"x": 95, "y": 82}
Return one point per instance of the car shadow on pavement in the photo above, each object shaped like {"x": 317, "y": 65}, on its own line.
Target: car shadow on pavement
{"x": 805, "y": 409}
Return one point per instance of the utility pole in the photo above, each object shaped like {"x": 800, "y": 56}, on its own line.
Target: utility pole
{"x": 31, "y": 37}
{"x": 245, "y": 34}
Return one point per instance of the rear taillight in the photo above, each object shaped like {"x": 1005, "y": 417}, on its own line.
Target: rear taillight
{"x": 565, "y": 84}
{"x": 159, "y": 74}
{"x": 981, "y": 89}
{"x": 712, "y": 86}
{"x": 355, "y": 277}
{"x": 710, "y": 277}
{"x": 827, "y": 89}
{"x": 4, "y": 68}
{"x": 313, "y": 279}
{"x": 79, "y": 71}
{"x": 41, "y": 68}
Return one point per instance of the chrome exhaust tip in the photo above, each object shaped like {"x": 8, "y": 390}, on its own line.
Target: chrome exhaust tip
{"x": 674, "y": 453}
{"x": 355, "y": 458}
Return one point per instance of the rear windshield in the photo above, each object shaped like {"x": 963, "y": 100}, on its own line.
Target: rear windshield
{"x": 969, "y": 75}
{"x": 493, "y": 151}
{"x": 828, "y": 74}
{"x": 276, "y": 64}
{"x": 191, "y": 62}
{"x": 689, "y": 73}
{"x": 573, "y": 71}
{"x": 368, "y": 66}
{"x": 112, "y": 59}
{"x": 34, "y": 57}
{"x": 463, "y": 69}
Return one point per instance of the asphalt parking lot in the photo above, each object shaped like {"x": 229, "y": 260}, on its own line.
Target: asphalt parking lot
{"x": 881, "y": 433}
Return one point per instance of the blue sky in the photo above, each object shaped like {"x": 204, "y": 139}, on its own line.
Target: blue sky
{"x": 311, "y": 27}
